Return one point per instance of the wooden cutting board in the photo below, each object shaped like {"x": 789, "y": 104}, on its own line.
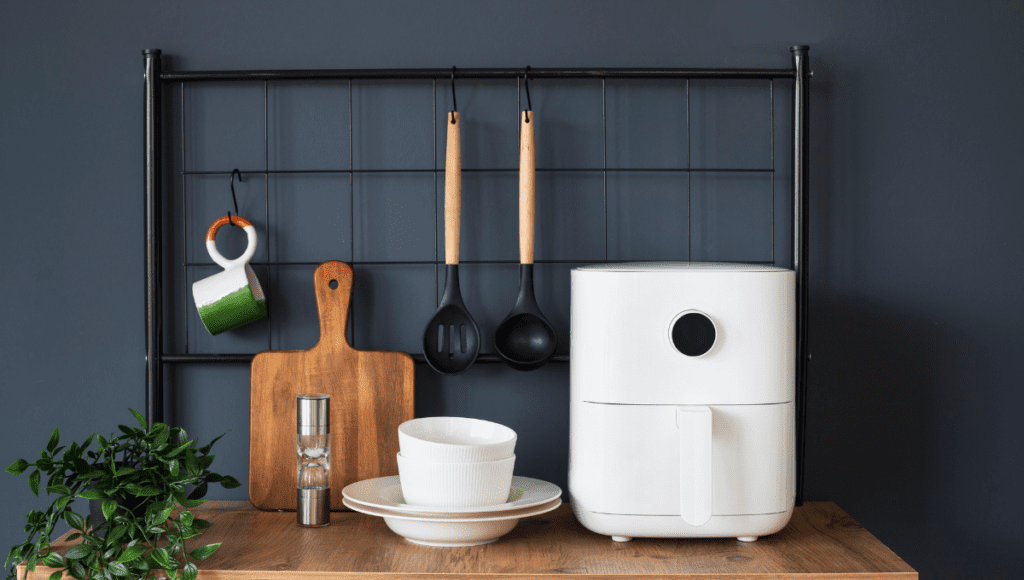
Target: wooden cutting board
{"x": 371, "y": 394}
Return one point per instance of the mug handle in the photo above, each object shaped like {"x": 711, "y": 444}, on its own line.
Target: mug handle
{"x": 211, "y": 242}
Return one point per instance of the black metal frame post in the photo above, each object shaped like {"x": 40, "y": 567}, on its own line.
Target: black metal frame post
{"x": 152, "y": 97}
{"x": 801, "y": 182}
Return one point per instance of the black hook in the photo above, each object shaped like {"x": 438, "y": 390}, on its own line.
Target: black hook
{"x": 233, "y": 198}
{"x": 455, "y": 107}
{"x": 526, "y": 81}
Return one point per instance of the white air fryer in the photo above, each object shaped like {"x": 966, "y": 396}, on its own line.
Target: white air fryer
{"x": 681, "y": 401}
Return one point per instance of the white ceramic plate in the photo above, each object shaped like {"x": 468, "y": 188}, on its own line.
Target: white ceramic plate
{"x": 442, "y": 530}
{"x": 386, "y": 493}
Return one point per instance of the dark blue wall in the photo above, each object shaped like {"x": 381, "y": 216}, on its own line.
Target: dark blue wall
{"x": 917, "y": 257}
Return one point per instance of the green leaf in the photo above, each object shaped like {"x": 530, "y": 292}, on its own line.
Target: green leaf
{"x": 149, "y": 491}
{"x": 33, "y": 482}
{"x": 161, "y": 558}
{"x": 204, "y": 552}
{"x": 190, "y": 572}
{"x": 53, "y": 560}
{"x": 109, "y": 507}
{"x": 189, "y": 533}
{"x": 206, "y": 448}
{"x": 79, "y": 551}
{"x": 139, "y": 418}
{"x": 186, "y": 519}
{"x": 77, "y": 569}
{"x": 58, "y": 488}
{"x": 132, "y": 553}
{"x": 180, "y": 449}
{"x": 123, "y": 471}
{"x": 160, "y": 440}
{"x": 92, "y": 493}
{"x": 74, "y": 520}
{"x": 172, "y": 467}
{"x": 61, "y": 503}
{"x": 18, "y": 467}
{"x": 206, "y": 461}
{"x": 56, "y": 575}
{"x": 192, "y": 503}
{"x": 164, "y": 515}
{"x": 54, "y": 440}
{"x": 201, "y": 524}
{"x": 230, "y": 482}
{"x": 117, "y": 534}
{"x": 117, "y": 569}
{"x": 199, "y": 492}
{"x": 191, "y": 463}
{"x": 10, "y": 555}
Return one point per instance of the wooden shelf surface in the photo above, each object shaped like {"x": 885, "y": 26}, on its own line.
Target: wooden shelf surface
{"x": 820, "y": 542}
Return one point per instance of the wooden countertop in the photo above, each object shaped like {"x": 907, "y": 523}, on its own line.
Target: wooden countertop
{"x": 820, "y": 542}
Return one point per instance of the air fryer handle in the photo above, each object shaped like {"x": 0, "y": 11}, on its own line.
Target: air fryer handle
{"x": 695, "y": 482}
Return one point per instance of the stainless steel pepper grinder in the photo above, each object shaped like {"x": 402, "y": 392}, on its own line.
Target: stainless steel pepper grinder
{"x": 313, "y": 460}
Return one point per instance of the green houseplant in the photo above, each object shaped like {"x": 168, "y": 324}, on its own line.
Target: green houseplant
{"x": 140, "y": 476}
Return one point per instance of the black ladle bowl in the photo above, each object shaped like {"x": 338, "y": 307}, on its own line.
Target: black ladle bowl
{"x": 525, "y": 340}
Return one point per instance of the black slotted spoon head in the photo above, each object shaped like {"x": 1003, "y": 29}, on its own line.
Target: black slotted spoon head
{"x": 451, "y": 341}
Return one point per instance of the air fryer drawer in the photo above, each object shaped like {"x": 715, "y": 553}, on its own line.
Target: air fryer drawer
{"x": 625, "y": 458}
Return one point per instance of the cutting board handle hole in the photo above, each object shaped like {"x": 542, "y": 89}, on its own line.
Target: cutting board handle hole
{"x": 333, "y": 284}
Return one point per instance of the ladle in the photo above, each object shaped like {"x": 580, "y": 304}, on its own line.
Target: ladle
{"x": 525, "y": 340}
{"x": 451, "y": 340}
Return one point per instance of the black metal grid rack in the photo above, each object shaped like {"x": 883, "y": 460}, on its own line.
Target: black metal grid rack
{"x": 154, "y": 98}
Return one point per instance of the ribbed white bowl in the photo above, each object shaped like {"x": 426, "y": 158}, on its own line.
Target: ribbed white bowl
{"x": 439, "y": 484}
{"x": 455, "y": 439}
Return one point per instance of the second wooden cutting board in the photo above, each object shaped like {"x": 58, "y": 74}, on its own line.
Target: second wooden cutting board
{"x": 371, "y": 395}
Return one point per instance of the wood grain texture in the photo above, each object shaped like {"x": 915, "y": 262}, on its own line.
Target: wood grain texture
{"x": 820, "y": 542}
{"x": 371, "y": 395}
{"x": 211, "y": 234}
{"x": 527, "y": 188}
{"x": 452, "y": 190}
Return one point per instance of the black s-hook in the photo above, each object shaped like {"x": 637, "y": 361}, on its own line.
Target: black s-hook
{"x": 455, "y": 107}
{"x": 233, "y": 198}
{"x": 526, "y": 81}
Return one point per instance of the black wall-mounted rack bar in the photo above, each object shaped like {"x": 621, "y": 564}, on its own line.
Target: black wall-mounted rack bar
{"x": 156, "y": 78}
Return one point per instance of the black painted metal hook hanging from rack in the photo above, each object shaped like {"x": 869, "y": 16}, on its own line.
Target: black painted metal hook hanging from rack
{"x": 233, "y": 198}
{"x": 526, "y": 81}
{"x": 455, "y": 107}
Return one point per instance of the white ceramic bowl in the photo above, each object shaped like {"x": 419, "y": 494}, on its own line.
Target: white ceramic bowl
{"x": 440, "y": 484}
{"x": 450, "y": 535}
{"x": 455, "y": 439}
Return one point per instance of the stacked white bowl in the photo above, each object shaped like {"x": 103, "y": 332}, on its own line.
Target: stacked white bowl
{"x": 455, "y": 462}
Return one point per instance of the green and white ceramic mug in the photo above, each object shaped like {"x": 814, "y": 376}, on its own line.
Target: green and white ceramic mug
{"x": 233, "y": 297}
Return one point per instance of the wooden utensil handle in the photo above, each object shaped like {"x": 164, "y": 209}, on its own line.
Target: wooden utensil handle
{"x": 527, "y": 189}
{"x": 452, "y": 190}
{"x": 332, "y": 303}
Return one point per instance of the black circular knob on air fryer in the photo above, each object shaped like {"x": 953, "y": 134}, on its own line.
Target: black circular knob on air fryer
{"x": 693, "y": 334}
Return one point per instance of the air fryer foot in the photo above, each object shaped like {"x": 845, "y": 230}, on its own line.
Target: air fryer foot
{"x": 747, "y": 538}
{"x": 621, "y": 538}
